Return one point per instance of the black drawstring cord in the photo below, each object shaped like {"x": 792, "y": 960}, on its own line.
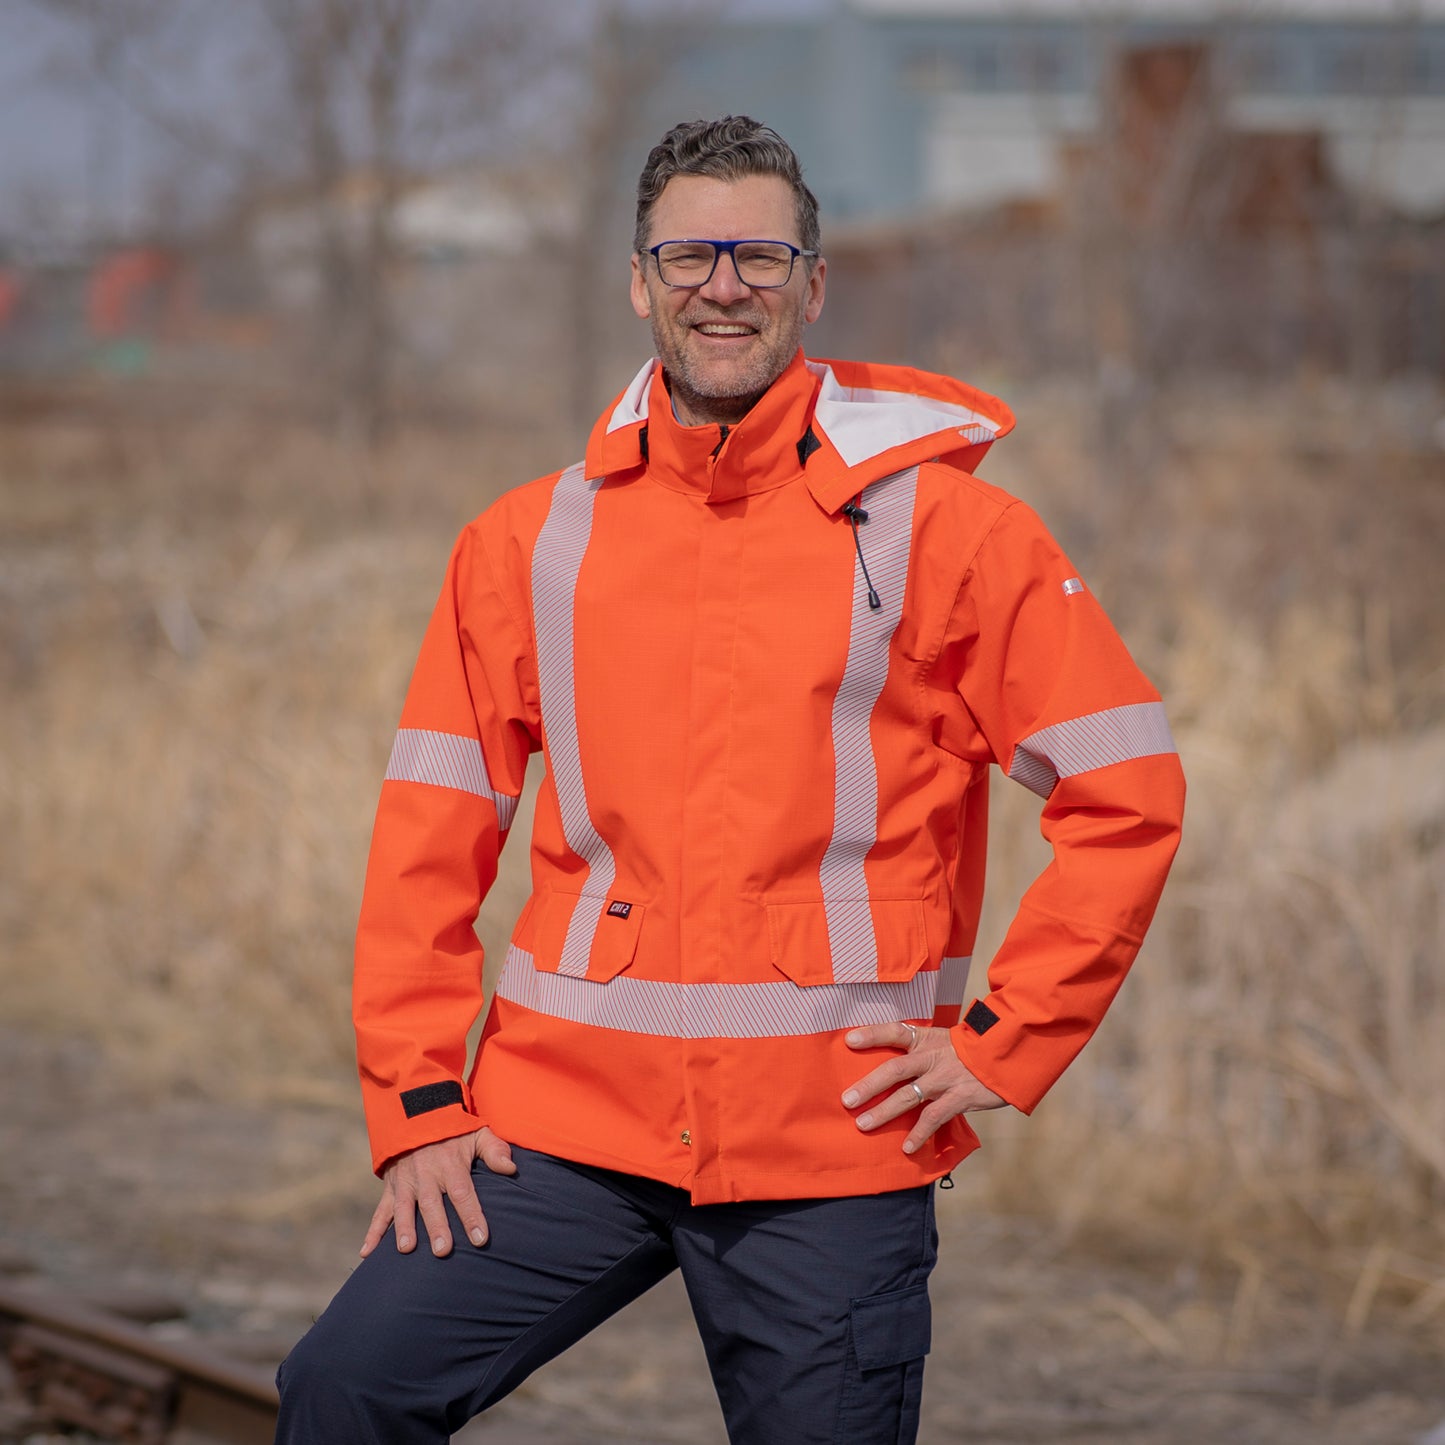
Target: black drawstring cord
{"x": 856, "y": 514}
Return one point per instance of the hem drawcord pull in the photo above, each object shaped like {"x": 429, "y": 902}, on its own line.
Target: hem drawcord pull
{"x": 855, "y": 514}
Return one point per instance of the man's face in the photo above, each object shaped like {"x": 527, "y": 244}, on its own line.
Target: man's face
{"x": 724, "y": 344}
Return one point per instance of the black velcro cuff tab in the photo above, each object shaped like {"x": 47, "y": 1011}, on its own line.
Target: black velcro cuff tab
{"x": 980, "y": 1018}
{"x": 893, "y": 1328}
{"x": 432, "y": 1096}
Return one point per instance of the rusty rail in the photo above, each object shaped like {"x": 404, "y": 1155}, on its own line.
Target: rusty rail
{"x": 73, "y": 1365}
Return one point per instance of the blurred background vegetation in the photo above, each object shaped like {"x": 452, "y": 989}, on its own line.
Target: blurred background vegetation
{"x": 290, "y": 289}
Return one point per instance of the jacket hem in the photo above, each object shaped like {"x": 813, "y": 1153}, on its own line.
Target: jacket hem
{"x": 727, "y": 1186}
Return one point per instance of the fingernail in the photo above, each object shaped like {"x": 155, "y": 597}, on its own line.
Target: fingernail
{"x": 478, "y": 1237}
{"x": 865, "y": 1121}
{"x": 438, "y": 1244}
{"x": 403, "y": 1241}
{"x": 909, "y": 1147}
{"x": 855, "y": 1038}
{"x": 851, "y": 1097}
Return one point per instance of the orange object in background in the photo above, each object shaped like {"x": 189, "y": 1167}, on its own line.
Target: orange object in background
{"x": 10, "y": 289}
{"x": 140, "y": 291}
{"x": 770, "y": 665}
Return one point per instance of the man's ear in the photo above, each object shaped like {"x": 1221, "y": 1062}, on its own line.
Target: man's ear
{"x": 813, "y": 306}
{"x": 641, "y": 301}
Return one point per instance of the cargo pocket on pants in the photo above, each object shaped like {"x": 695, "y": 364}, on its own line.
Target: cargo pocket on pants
{"x": 889, "y": 1336}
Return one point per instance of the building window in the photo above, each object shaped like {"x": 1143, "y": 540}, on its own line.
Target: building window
{"x": 1259, "y": 66}
{"x": 1347, "y": 68}
{"x": 1427, "y": 69}
{"x": 1043, "y": 66}
{"x": 983, "y": 66}
{"x": 932, "y": 70}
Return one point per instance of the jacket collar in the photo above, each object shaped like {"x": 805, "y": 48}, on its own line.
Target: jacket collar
{"x": 837, "y": 424}
{"x": 718, "y": 463}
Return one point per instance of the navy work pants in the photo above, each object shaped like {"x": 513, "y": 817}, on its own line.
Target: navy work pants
{"x": 813, "y": 1313}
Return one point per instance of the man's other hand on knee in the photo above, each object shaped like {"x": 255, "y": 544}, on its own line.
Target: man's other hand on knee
{"x": 423, "y": 1179}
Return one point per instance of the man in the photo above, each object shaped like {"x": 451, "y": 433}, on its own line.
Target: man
{"x": 770, "y": 635}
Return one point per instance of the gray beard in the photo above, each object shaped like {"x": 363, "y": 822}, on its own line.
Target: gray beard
{"x": 705, "y": 399}
{"x": 706, "y": 406}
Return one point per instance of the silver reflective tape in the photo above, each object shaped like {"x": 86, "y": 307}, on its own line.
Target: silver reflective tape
{"x": 447, "y": 760}
{"x": 886, "y": 540}
{"x": 556, "y": 561}
{"x": 1140, "y": 730}
{"x": 953, "y": 981}
{"x": 1034, "y": 773}
{"x": 714, "y": 1010}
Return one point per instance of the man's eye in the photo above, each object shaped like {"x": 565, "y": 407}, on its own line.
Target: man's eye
{"x": 689, "y": 256}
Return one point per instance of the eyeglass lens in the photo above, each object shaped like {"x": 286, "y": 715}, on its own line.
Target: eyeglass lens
{"x": 759, "y": 263}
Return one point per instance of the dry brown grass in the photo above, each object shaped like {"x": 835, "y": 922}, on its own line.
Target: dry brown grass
{"x": 207, "y": 630}
{"x": 1273, "y": 1071}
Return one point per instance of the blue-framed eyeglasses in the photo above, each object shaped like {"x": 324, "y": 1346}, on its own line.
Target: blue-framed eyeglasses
{"x": 761, "y": 265}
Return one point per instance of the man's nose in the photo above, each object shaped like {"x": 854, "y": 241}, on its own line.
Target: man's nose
{"x": 724, "y": 285}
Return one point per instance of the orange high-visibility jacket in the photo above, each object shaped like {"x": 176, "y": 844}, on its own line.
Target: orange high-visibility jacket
{"x": 764, "y": 809}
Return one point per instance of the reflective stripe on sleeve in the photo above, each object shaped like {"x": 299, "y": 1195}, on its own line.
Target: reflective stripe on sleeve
{"x": 886, "y": 541}
{"x": 556, "y": 562}
{"x": 718, "y": 1010}
{"x": 447, "y": 760}
{"x": 1097, "y": 740}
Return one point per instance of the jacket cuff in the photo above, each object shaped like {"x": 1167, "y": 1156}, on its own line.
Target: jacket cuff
{"x": 399, "y": 1122}
{"x": 997, "y": 1052}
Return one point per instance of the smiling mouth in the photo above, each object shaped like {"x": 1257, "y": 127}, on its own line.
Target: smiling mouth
{"x": 722, "y": 328}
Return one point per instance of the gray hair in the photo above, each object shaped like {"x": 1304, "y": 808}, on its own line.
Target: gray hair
{"x": 726, "y": 150}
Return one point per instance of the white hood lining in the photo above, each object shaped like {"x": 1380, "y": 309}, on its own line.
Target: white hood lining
{"x": 862, "y": 422}
{"x": 633, "y": 403}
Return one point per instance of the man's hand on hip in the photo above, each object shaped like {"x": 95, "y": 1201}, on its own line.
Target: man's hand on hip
{"x": 928, "y": 1076}
{"x": 418, "y": 1179}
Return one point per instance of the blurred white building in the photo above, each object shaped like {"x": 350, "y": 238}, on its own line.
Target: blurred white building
{"x": 908, "y": 106}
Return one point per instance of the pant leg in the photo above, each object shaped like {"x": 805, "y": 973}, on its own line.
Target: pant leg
{"x": 814, "y": 1314}
{"x": 413, "y": 1346}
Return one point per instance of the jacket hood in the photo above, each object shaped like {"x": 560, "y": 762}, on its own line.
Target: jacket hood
{"x": 838, "y": 424}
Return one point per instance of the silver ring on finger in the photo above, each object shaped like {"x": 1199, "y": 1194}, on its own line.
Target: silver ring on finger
{"x": 918, "y": 1093}
{"x": 912, "y": 1036}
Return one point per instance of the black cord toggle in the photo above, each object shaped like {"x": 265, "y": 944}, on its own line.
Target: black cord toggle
{"x": 856, "y": 514}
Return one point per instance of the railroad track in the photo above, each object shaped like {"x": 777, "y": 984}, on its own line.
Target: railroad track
{"x": 65, "y": 1364}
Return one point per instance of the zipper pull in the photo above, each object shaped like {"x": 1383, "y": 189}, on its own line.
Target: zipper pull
{"x": 856, "y": 514}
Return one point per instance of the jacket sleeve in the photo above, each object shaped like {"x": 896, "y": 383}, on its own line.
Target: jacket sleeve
{"x": 447, "y": 800}
{"x": 1062, "y": 708}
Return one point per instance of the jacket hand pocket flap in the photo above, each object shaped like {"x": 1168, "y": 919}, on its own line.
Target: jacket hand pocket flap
{"x": 857, "y": 939}
{"x": 585, "y": 935}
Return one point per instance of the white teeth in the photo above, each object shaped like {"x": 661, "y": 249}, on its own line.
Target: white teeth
{"x": 726, "y": 330}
